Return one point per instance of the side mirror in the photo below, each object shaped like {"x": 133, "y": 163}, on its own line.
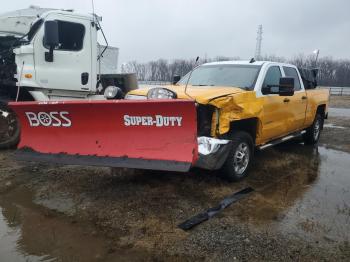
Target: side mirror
{"x": 176, "y": 79}
{"x": 51, "y": 39}
{"x": 286, "y": 86}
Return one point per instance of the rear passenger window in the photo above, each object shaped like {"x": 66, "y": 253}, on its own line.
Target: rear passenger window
{"x": 292, "y": 72}
{"x": 272, "y": 78}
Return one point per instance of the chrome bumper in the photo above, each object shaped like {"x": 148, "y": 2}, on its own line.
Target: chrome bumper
{"x": 212, "y": 152}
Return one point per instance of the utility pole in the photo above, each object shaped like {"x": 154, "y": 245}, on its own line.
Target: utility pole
{"x": 316, "y": 52}
{"x": 258, "y": 43}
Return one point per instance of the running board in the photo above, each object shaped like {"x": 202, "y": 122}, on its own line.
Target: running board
{"x": 281, "y": 140}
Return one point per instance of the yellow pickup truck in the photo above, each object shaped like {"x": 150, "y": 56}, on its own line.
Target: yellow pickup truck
{"x": 246, "y": 105}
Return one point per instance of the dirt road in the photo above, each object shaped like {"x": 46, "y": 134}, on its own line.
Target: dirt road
{"x": 300, "y": 209}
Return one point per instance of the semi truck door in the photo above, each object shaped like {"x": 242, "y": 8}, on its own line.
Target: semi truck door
{"x": 72, "y": 61}
{"x": 297, "y": 103}
{"x": 274, "y": 108}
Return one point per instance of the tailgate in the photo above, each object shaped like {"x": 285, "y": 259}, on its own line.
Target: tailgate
{"x": 158, "y": 134}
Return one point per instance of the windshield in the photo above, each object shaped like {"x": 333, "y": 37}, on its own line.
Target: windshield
{"x": 243, "y": 76}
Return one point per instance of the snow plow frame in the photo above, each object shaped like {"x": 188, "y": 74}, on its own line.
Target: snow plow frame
{"x": 159, "y": 135}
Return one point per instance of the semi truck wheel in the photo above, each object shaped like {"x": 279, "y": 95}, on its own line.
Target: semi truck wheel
{"x": 240, "y": 157}
{"x": 9, "y": 128}
{"x": 312, "y": 134}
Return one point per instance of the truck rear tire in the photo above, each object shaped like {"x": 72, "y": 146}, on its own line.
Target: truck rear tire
{"x": 312, "y": 134}
{"x": 9, "y": 128}
{"x": 240, "y": 157}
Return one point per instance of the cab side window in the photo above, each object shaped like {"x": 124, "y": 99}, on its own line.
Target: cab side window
{"x": 71, "y": 36}
{"x": 272, "y": 78}
{"x": 292, "y": 72}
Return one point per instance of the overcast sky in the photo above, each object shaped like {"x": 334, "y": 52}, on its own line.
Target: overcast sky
{"x": 146, "y": 30}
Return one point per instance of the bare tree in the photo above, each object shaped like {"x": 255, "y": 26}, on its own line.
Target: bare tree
{"x": 332, "y": 72}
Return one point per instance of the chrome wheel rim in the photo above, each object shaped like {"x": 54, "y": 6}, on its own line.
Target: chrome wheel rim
{"x": 241, "y": 158}
{"x": 317, "y": 129}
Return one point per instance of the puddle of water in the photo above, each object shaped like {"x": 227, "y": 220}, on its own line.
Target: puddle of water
{"x": 311, "y": 199}
{"x": 324, "y": 209}
{"x": 28, "y": 233}
{"x": 8, "y": 237}
{"x": 333, "y": 126}
{"x": 340, "y": 112}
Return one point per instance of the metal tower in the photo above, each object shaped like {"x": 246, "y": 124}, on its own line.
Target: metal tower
{"x": 258, "y": 43}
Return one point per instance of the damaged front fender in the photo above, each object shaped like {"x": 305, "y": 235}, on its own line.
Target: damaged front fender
{"x": 233, "y": 108}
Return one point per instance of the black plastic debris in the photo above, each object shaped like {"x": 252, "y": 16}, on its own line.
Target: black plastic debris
{"x": 204, "y": 216}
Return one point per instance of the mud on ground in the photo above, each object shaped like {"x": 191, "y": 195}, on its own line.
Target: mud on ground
{"x": 300, "y": 209}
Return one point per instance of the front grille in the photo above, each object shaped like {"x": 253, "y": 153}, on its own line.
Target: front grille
{"x": 8, "y": 66}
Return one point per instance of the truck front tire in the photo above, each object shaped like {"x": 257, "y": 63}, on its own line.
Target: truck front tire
{"x": 240, "y": 157}
{"x": 312, "y": 134}
{"x": 9, "y": 128}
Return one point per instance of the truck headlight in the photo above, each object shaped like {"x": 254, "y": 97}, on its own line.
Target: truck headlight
{"x": 113, "y": 92}
{"x": 161, "y": 93}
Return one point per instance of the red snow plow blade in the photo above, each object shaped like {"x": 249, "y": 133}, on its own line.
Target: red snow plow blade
{"x": 158, "y": 134}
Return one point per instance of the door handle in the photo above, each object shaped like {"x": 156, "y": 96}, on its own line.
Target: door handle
{"x": 286, "y": 100}
{"x": 304, "y": 97}
{"x": 84, "y": 78}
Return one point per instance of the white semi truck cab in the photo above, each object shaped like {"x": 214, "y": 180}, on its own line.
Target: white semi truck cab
{"x": 50, "y": 54}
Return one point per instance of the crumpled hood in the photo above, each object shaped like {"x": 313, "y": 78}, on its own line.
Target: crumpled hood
{"x": 19, "y": 22}
{"x": 202, "y": 94}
